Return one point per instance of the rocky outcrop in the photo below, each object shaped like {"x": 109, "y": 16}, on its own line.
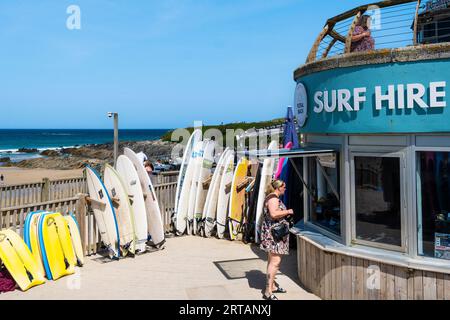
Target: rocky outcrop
{"x": 94, "y": 154}
{"x": 28, "y": 150}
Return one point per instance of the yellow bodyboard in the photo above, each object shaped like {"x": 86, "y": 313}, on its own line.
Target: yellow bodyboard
{"x": 19, "y": 261}
{"x": 76, "y": 239}
{"x": 58, "y": 246}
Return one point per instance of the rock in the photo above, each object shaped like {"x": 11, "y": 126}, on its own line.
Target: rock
{"x": 5, "y": 159}
{"x": 50, "y": 153}
{"x": 28, "y": 150}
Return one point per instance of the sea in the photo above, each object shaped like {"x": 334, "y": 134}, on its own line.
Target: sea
{"x": 43, "y": 139}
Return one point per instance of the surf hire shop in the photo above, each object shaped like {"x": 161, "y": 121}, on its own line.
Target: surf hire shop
{"x": 374, "y": 172}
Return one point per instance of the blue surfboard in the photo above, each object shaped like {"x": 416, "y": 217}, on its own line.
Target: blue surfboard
{"x": 26, "y": 228}
{"x": 42, "y": 246}
{"x": 112, "y": 207}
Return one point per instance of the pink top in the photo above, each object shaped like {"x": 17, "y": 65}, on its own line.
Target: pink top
{"x": 366, "y": 43}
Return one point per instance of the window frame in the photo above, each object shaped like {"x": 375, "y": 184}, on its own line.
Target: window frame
{"x": 339, "y": 147}
{"x": 417, "y": 211}
{"x": 403, "y": 248}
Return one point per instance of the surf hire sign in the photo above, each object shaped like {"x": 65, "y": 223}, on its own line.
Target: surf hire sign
{"x": 398, "y": 98}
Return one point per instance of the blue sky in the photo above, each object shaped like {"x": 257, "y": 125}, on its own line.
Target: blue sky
{"x": 160, "y": 64}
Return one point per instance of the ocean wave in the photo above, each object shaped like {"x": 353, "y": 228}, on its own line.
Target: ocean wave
{"x": 40, "y": 149}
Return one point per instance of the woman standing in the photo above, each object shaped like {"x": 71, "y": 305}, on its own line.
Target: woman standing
{"x": 362, "y": 39}
{"x": 275, "y": 235}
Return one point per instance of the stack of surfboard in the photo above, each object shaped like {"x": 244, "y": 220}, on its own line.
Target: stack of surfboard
{"x": 125, "y": 207}
{"x": 51, "y": 248}
{"x": 216, "y": 201}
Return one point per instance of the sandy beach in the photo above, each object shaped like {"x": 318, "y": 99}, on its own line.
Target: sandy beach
{"x": 12, "y": 175}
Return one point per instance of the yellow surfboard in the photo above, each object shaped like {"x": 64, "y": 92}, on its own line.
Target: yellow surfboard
{"x": 56, "y": 244}
{"x": 237, "y": 198}
{"x": 76, "y": 238}
{"x": 19, "y": 261}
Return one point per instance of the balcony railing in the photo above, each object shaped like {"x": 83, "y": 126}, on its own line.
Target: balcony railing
{"x": 394, "y": 24}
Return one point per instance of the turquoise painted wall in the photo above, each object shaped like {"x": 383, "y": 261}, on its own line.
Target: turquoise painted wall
{"x": 368, "y": 119}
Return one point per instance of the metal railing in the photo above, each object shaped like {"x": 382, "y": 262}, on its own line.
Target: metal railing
{"x": 394, "y": 23}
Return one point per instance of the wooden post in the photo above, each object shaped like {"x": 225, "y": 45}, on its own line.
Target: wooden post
{"x": 348, "y": 40}
{"x": 312, "y": 54}
{"x": 81, "y": 219}
{"x": 416, "y": 18}
{"x": 45, "y": 192}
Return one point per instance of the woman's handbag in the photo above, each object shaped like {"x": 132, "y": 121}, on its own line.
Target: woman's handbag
{"x": 279, "y": 231}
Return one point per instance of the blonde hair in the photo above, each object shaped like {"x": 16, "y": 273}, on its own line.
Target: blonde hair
{"x": 274, "y": 185}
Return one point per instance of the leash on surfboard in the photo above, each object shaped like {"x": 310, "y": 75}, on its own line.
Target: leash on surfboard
{"x": 66, "y": 262}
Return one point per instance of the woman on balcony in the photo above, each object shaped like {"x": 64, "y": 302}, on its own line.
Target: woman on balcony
{"x": 362, "y": 39}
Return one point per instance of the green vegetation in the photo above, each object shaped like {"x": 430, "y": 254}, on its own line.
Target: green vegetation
{"x": 233, "y": 126}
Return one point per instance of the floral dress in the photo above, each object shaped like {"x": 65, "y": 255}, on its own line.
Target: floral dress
{"x": 268, "y": 244}
{"x": 365, "y": 44}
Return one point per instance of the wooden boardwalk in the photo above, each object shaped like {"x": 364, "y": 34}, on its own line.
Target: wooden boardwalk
{"x": 188, "y": 268}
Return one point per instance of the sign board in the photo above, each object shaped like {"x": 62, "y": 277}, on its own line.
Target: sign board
{"x": 411, "y": 97}
{"x": 301, "y": 104}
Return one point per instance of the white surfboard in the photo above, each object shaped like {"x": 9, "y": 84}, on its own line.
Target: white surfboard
{"x": 124, "y": 212}
{"x": 197, "y": 163}
{"x": 210, "y": 210}
{"x": 202, "y": 192}
{"x": 181, "y": 218}
{"x": 104, "y": 214}
{"x": 193, "y": 139}
{"x": 224, "y": 194}
{"x": 130, "y": 178}
{"x": 152, "y": 209}
{"x": 266, "y": 178}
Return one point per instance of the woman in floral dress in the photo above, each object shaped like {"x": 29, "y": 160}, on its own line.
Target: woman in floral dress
{"x": 362, "y": 39}
{"x": 275, "y": 212}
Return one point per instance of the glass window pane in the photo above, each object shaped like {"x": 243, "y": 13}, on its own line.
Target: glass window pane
{"x": 325, "y": 210}
{"x": 433, "y": 204}
{"x": 377, "y": 199}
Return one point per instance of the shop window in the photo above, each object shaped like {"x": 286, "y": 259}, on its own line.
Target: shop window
{"x": 377, "y": 199}
{"x": 433, "y": 204}
{"x": 325, "y": 210}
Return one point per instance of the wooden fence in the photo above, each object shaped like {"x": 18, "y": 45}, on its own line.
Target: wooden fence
{"x": 50, "y": 190}
{"x": 14, "y": 216}
{"x": 47, "y": 190}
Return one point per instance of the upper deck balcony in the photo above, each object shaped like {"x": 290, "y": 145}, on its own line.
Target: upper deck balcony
{"x": 400, "y": 30}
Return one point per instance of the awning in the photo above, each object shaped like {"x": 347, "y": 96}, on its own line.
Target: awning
{"x": 287, "y": 153}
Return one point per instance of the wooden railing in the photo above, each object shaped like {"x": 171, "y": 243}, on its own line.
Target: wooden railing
{"x": 47, "y": 190}
{"x": 50, "y": 190}
{"x": 14, "y": 216}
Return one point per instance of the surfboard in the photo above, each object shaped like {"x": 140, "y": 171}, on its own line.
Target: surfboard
{"x": 131, "y": 239}
{"x": 197, "y": 163}
{"x": 74, "y": 230}
{"x": 202, "y": 192}
{"x": 151, "y": 205}
{"x": 193, "y": 139}
{"x": 57, "y": 251}
{"x": 105, "y": 215}
{"x": 181, "y": 218}
{"x": 237, "y": 198}
{"x": 31, "y": 238}
{"x": 266, "y": 178}
{"x": 210, "y": 210}
{"x": 223, "y": 199}
{"x": 248, "y": 228}
{"x": 19, "y": 261}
